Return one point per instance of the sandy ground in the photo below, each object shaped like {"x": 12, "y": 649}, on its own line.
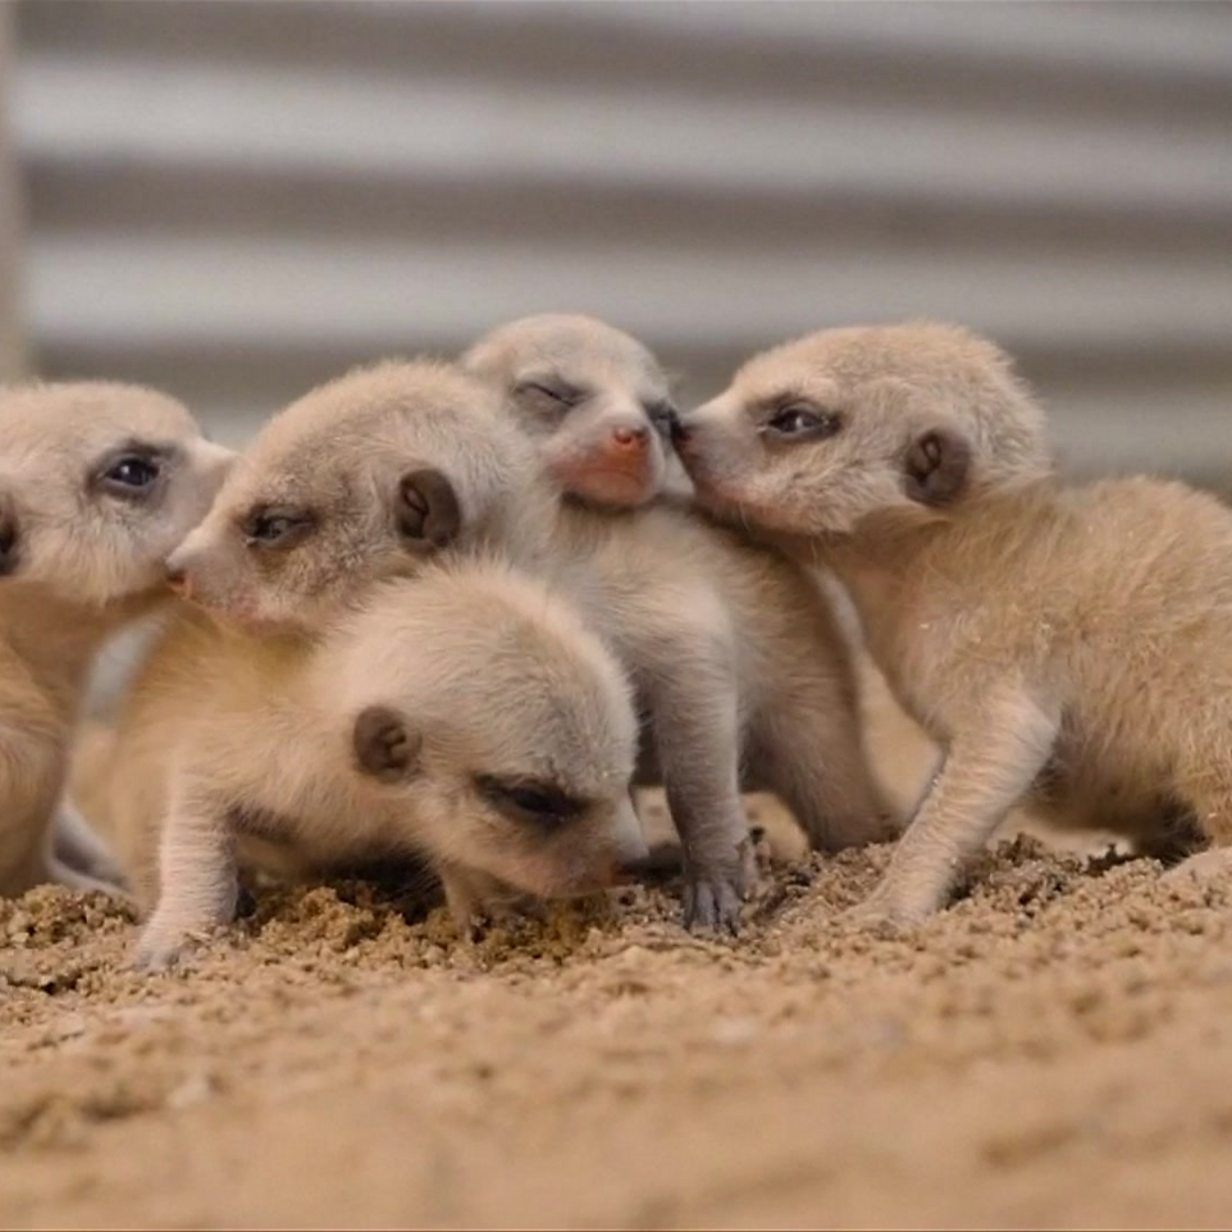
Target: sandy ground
{"x": 1053, "y": 1050}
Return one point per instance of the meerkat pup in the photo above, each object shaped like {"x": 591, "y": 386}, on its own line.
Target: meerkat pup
{"x": 738, "y": 664}
{"x": 1067, "y": 645}
{"x": 363, "y": 478}
{"x": 465, "y": 715}
{"x": 594, "y": 399}
{"x": 98, "y": 482}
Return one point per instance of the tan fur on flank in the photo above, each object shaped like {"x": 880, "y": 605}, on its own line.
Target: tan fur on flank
{"x": 740, "y": 669}
{"x": 82, "y": 553}
{"x": 465, "y": 678}
{"x": 1070, "y": 646}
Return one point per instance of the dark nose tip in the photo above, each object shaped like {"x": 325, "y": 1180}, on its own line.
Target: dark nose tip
{"x": 629, "y": 437}
{"x": 8, "y": 542}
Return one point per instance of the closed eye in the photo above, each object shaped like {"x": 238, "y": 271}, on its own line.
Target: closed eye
{"x": 549, "y": 389}
{"x": 534, "y": 800}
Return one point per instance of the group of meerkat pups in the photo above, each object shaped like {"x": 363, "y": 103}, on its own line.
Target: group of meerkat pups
{"x": 449, "y": 615}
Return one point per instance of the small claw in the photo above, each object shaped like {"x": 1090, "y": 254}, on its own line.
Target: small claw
{"x": 155, "y": 959}
{"x": 493, "y": 914}
{"x": 161, "y": 949}
{"x": 881, "y": 915}
{"x": 712, "y": 904}
{"x": 869, "y": 918}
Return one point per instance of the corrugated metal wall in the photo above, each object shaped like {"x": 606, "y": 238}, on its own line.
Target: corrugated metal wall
{"x": 235, "y": 200}
{"x": 12, "y": 357}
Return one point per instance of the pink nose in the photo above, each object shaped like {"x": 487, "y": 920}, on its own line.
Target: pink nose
{"x": 630, "y": 438}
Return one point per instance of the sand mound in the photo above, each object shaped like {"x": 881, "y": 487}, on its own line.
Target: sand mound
{"x": 1052, "y": 1050}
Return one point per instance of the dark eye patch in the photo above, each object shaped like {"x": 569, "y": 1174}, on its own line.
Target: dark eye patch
{"x": 130, "y": 471}
{"x": 279, "y": 527}
{"x": 663, "y": 415}
{"x": 535, "y": 800}
{"x": 797, "y": 419}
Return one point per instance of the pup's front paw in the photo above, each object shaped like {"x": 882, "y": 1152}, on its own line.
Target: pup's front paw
{"x": 885, "y": 913}
{"x": 163, "y": 946}
{"x": 714, "y": 893}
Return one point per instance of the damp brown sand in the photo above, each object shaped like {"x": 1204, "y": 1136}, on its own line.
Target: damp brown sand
{"x": 1056, "y": 1049}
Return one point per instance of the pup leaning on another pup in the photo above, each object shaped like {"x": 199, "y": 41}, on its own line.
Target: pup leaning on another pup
{"x": 741, "y": 673}
{"x": 1067, "y": 645}
{"x": 346, "y": 697}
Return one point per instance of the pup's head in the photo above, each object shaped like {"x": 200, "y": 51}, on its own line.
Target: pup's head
{"x": 594, "y": 400}
{"x": 909, "y": 420}
{"x": 479, "y": 700}
{"x": 98, "y": 483}
{"x": 363, "y": 478}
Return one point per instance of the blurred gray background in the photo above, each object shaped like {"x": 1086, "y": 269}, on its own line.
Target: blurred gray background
{"x": 237, "y": 200}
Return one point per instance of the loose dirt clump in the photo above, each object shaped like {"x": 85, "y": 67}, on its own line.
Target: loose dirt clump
{"x": 1052, "y": 1050}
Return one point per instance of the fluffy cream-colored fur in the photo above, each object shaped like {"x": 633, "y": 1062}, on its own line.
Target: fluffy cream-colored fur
{"x": 1070, "y": 645}
{"x": 739, "y": 666}
{"x": 98, "y": 483}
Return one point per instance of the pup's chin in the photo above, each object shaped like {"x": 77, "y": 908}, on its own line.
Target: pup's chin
{"x": 767, "y": 523}
{"x": 615, "y": 487}
{"x": 249, "y": 620}
{"x": 729, "y": 503}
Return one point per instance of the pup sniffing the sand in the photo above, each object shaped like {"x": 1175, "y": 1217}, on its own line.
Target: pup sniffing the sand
{"x": 1072, "y": 645}
{"x": 465, "y": 715}
{"x": 735, "y": 654}
{"x": 98, "y": 482}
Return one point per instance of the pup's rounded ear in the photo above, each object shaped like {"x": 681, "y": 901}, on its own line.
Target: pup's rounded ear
{"x": 10, "y": 539}
{"x": 937, "y": 466}
{"x": 384, "y": 745}
{"x": 426, "y": 510}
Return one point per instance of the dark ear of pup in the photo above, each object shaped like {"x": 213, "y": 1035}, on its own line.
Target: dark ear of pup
{"x": 427, "y": 511}
{"x": 9, "y": 540}
{"x": 937, "y": 466}
{"x": 384, "y": 746}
